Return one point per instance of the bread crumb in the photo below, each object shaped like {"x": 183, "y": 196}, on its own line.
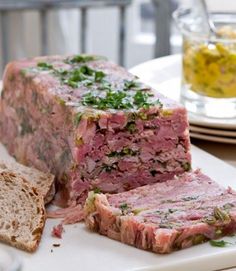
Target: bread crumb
{"x": 56, "y": 245}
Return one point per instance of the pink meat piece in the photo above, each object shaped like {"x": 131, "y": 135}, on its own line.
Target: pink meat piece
{"x": 57, "y": 231}
{"x": 186, "y": 210}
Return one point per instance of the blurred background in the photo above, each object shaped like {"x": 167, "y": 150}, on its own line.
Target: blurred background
{"x": 126, "y": 31}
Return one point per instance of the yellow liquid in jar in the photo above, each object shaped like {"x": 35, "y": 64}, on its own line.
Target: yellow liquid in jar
{"x": 210, "y": 68}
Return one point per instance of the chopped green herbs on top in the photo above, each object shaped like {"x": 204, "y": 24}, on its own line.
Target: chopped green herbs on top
{"x": 83, "y": 74}
{"x": 102, "y": 94}
{"x": 141, "y": 98}
{"x": 45, "y": 66}
{"x": 81, "y": 59}
{"x": 111, "y": 99}
{"x": 219, "y": 243}
{"x": 130, "y": 84}
{"x": 118, "y": 99}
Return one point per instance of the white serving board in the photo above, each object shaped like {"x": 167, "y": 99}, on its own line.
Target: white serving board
{"x": 81, "y": 250}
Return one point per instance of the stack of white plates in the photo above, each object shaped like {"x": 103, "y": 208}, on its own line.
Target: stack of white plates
{"x": 216, "y": 131}
{"x": 164, "y": 75}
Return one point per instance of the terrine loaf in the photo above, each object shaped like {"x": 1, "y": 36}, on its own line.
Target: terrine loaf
{"x": 162, "y": 217}
{"x": 92, "y": 124}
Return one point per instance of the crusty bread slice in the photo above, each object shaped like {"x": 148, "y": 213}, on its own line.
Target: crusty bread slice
{"x": 43, "y": 182}
{"x": 22, "y": 212}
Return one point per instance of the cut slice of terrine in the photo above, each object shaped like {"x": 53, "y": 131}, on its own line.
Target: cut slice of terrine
{"x": 179, "y": 213}
{"x": 92, "y": 124}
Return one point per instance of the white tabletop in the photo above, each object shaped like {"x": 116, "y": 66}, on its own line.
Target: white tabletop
{"x": 167, "y": 70}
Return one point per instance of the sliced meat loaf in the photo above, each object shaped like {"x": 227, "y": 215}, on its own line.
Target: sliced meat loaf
{"x": 92, "y": 124}
{"x": 176, "y": 214}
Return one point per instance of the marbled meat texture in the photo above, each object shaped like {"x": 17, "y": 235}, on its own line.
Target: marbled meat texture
{"x": 92, "y": 124}
{"x": 163, "y": 217}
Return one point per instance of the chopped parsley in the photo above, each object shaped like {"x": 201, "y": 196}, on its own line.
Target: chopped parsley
{"x": 124, "y": 208}
{"x": 99, "y": 75}
{"x": 83, "y": 74}
{"x": 118, "y": 99}
{"x": 45, "y": 66}
{"x": 141, "y": 98}
{"x": 112, "y": 99}
{"x": 103, "y": 95}
{"x": 97, "y": 190}
{"x": 81, "y": 59}
{"x": 219, "y": 243}
{"x": 130, "y": 84}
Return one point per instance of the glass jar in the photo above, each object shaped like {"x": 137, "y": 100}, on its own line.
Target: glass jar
{"x": 208, "y": 64}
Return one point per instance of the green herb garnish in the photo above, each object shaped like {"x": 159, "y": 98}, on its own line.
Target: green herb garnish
{"x": 219, "y": 243}
{"x": 77, "y": 118}
{"x": 124, "y": 207}
{"x": 103, "y": 94}
{"x": 80, "y": 59}
{"x": 45, "y": 66}
{"x": 99, "y": 75}
{"x": 141, "y": 98}
{"x": 97, "y": 190}
{"x": 130, "y": 84}
{"x": 112, "y": 99}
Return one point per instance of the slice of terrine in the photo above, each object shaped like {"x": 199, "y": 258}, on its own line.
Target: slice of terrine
{"x": 92, "y": 124}
{"x": 176, "y": 214}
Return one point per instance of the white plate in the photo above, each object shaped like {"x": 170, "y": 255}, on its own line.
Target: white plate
{"x": 8, "y": 260}
{"x": 164, "y": 75}
{"x": 82, "y": 250}
{"x": 213, "y": 131}
{"x": 213, "y": 138}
